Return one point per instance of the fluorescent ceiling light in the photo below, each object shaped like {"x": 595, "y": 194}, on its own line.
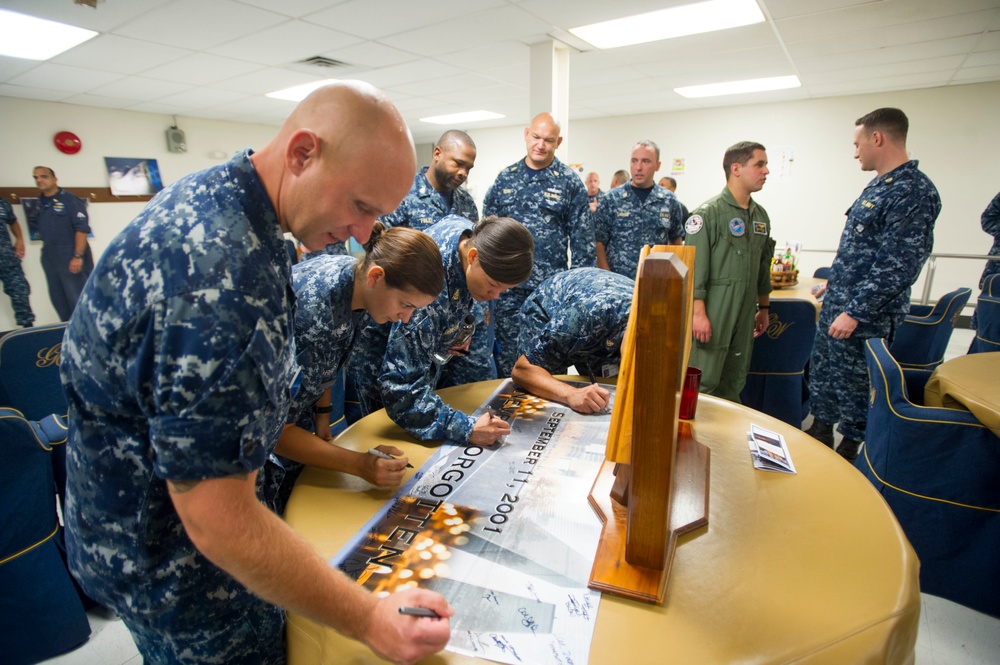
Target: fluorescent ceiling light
{"x": 458, "y": 118}
{"x": 668, "y": 23}
{"x": 299, "y": 92}
{"x": 739, "y": 87}
{"x": 23, "y": 36}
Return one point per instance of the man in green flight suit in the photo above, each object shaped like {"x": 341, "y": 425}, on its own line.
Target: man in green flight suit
{"x": 732, "y": 273}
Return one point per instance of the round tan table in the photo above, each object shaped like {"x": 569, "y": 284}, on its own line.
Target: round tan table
{"x": 802, "y": 291}
{"x": 806, "y": 568}
{"x": 968, "y": 382}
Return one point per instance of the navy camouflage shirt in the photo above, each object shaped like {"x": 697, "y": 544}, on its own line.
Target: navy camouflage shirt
{"x": 888, "y": 236}
{"x": 577, "y": 317}
{"x": 424, "y": 206}
{"x": 178, "y": 364}
{"x": 624, "y": 223}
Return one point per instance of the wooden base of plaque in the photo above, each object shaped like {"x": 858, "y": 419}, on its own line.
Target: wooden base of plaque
{"x": 688, "y": 511}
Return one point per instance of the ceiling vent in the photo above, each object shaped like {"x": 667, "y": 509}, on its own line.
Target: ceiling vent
{"x": 320, "y": 61}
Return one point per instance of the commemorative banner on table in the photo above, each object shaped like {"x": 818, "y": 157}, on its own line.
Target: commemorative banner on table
{"x": 505, "y": 533}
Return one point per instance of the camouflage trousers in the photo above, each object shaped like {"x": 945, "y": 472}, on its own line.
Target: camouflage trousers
{"x": 16, "y": 287}
{"x": 252, "y": 634}
{"x": 838, "y": 383}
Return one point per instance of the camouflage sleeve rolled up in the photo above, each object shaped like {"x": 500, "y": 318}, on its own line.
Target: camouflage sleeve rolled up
{"x": 409, "y": 376}
{"x": 888, "y": 237}
{"x": 603, "y": 221}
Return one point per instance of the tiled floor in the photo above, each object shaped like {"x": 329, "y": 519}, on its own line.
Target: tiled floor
{"x": 949, "y": 634}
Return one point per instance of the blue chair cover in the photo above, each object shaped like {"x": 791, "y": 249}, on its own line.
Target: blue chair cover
{"x": 29, "y": 371}
{"x": 922, "y": 339}
{"x": 988, "y": 317}
{"x": 822, "y": 273}
{"x": 939, "y": 471}
{"x": 988, "y": 326}
{"x": 41, "y": 614}
{"x": 775, "y": 383}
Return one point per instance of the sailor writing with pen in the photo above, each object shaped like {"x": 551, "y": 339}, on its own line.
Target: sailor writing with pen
{"x": 578, "y": 318}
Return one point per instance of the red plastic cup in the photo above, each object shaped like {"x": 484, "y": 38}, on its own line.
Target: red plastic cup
{"x": 689, "y": 394}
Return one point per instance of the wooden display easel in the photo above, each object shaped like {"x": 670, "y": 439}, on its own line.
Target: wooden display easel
{"x": 653, "y": 487}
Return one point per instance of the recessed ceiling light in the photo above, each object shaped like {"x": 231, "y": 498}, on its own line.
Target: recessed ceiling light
{"x": 31, "y": 38}
{"x": 299, "y": 92}
{"x": 668, "y": 23}
{"x": 458, "y": 118}
{"x": 739, "y": 87}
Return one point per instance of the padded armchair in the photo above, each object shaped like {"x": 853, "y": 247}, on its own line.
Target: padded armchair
{"x": 29, "y": 371}
{"x": 939, "y": 470}
{"x": 41, "y": 614}
{"x": 923, "y": 338}
{"x": 822, "y": 273}
{"x": 988, "y": 317}
{"x": 775, "y": 383}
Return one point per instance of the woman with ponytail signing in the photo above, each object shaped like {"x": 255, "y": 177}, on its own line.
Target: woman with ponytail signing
{"x": 399, "y": 366}
{"x": 335, "y": 296}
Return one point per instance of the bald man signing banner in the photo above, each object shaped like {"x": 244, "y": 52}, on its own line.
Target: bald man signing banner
{"x": 179, "y": 368}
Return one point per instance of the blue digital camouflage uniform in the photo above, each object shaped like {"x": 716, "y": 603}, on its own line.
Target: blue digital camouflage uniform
{"x": 888, "y": 236}
{"x": 12, "y": 274}
{"x": 58, "y": 218}
{"x": 554, "y": 205}
{"x": 392, "y": 365}
{"x": 333, "y": 249}
{"x": 578, "y": 318}
{"x": 325, "y": 330}
{"x": 732, "y": 266}
{"x": 624, "y": 223}
{"x": 178, "y": 364}
{"x": 991, "y": 224}
{"x": 423, "y": 207}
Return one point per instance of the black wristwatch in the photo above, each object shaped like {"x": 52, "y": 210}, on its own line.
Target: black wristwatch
{"x": 323, "y": 409}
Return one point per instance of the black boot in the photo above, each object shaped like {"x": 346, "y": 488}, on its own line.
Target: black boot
{"x": 848, "y": 449}
{"x": 822, "y": 432}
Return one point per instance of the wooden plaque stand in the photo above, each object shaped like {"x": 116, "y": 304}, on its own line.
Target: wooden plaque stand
{"x": 658, "y": 490}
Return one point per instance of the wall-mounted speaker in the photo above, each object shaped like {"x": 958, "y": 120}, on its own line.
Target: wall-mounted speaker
{"x": 176, "y": 142}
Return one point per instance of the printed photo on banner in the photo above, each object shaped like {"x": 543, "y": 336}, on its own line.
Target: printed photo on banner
{"x": 133, "y": 176}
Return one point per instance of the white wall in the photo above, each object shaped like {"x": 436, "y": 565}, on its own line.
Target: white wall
{"x": 26, "y": 137}
{"x": 953, "y": 132}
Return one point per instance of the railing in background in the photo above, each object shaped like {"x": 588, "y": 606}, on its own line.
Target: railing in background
{"x": 931, "y": 267}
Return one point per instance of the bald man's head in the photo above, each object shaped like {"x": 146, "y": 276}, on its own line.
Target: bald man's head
{"x": 343, "y": 157}
{"x": 541, "y": 139}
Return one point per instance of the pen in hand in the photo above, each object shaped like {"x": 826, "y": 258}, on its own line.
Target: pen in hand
{"x": 378, "y": 453}
{"x": 419, "y": 612}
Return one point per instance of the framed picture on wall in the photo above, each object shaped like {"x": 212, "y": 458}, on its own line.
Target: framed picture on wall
{"x": 133, "y": 176}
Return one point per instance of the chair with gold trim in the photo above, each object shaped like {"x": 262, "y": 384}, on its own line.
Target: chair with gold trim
{"x": 776, "y": 381}
{"x": 988, "y": 317}
{"x": 939, "y": 471}
{"x": 41, "y": 614}
{"x": 29, "y": 371}
{"x": 922, "y": 339}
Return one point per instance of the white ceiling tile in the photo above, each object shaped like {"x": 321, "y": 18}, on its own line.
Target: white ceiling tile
{"x": 199, "y": 24}
{"x": 880, "y": 71}
{"x": 123, "y": 55}
{"x": 296, "y": 8}
{"x": 490, "y": 26}
{"x": 86, "y": 99}
{"x": 903, "y": 53}
{"x": 983, "y": 58}
{"x": 418, "y": 70}
{"x": 136, "y": 87}
{"x": 64, "y": 78}
{"x": 201, "y": 69}
{"x": 287, "y": 43}
{"x": 155, "y": 107}
{"x": 267, "y": 80}
{"x": 907, "y": 82}
{"x": 977, "y": 74}
{"x": 110, "y": 14}
{"x": 370, "y": 55}
{"x": 28, "y": 92}
{"x": 11, "y": 67}
{"x": 200, "y": 98}
{"x": 361, "y": 17}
